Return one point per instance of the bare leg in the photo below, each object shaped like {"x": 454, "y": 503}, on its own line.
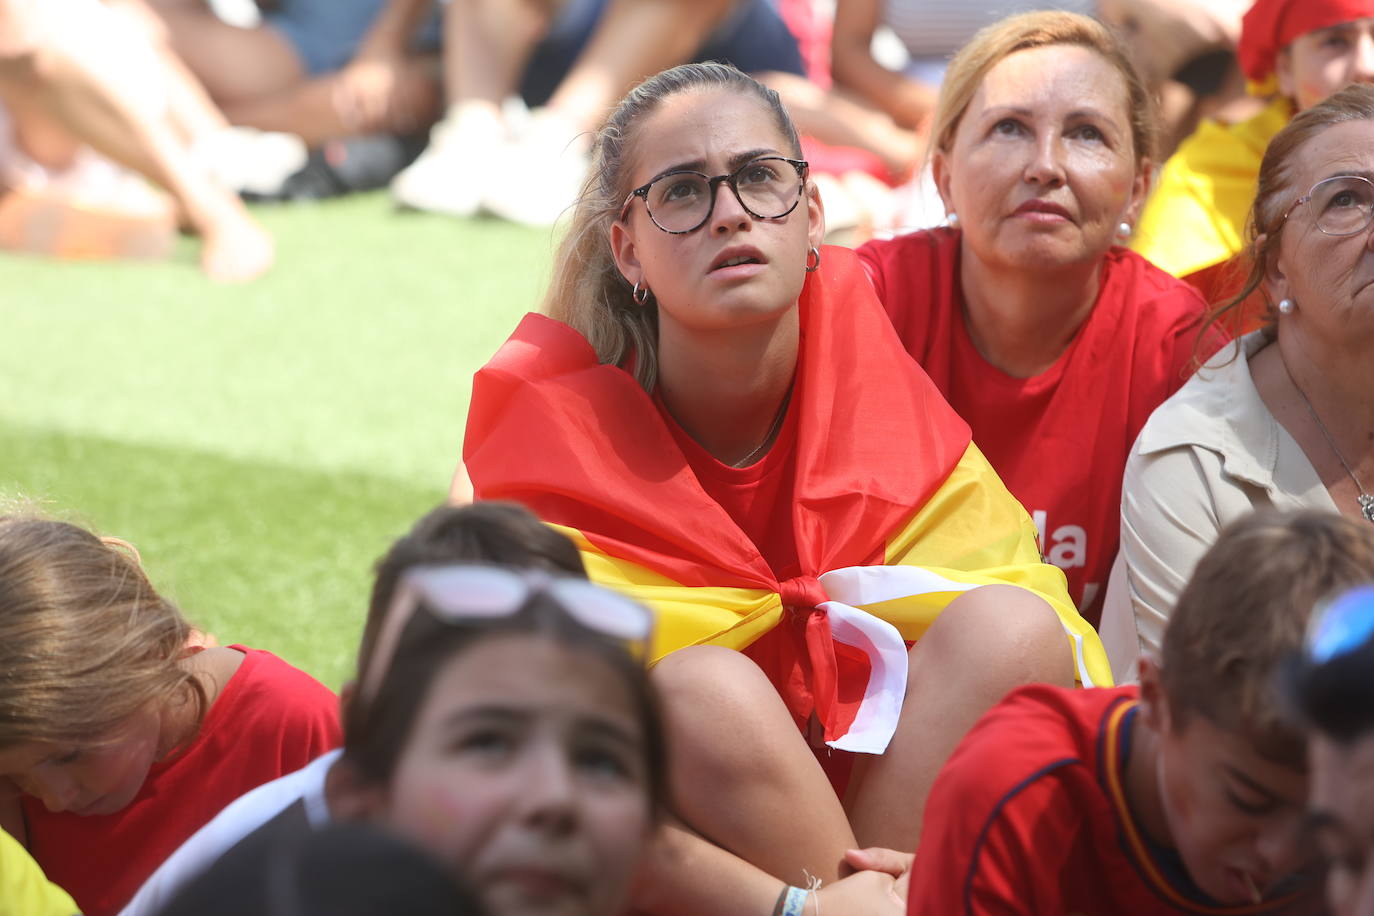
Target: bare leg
{"x": 985, "y": 643}
{"x": 488, "y": 44}
{"x": 218, "y": 53}
{"x": 634, "y": 39}
{"x": 839, "y": 119}
{"x": 742, "y": 775}
{"x": 85, "y": 85}
{"x": 310, "y": 111}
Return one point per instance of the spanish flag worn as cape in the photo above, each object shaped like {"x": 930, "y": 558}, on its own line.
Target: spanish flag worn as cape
{"x": 895, "y": 512}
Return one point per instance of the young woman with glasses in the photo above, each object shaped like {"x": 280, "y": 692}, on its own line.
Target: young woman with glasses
{"x": 717, "y": 410}
{"x": 1284, "y": 418}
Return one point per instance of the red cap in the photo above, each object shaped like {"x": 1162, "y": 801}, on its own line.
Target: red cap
{"x": 1271, "y": 25}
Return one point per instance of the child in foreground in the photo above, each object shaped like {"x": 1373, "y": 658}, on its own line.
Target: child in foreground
{"x": 488, "y": 532}
{"x": 504, "y": 724}
{"x": 122, "y": 736}
{"x": 1183, "y": 795}
{"x": 1332, "y": 687}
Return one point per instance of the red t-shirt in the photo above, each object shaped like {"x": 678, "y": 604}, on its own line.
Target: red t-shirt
{"x": 758, "y": 498}
{"x": 1058, "y": 440}
{"x": 269, "y": 720}
{"x": 1029, "y": 816}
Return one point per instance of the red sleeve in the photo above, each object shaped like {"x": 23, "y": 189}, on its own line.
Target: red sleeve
{"x": 870, "y": 256}
{"x": 284, "y": 713}
{"x": 271, "y": 719}
{"x": 990, "y": 849}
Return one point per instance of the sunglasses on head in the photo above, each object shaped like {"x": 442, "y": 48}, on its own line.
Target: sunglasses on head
{"x": 460, "y": 594}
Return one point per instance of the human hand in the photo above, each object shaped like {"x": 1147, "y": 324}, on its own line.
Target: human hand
{"x": 368, "y": 94}
{"x": 868, "y": 892}
{"x": 877, "y": 858}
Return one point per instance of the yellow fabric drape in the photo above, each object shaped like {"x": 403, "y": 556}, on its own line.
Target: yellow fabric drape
{"x": 1196, "y": 216}
{"x": 971, "y": 531}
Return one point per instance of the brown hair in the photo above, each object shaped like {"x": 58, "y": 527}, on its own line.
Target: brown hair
{"x": 497, "y": 532}
{"x": 588, "y": 291}
{"x": 1244, "y": 611}
{"x": 507, "y": 534}
{"x": 378, "y": 728}
{"x": 1275, "y": 195}
{"x": 1039, "y": 29}
{"x": 85, "y": 640}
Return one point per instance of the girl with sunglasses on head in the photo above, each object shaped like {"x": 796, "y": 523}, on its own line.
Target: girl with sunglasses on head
{"x": 490, "y": 532}
{"x": 502, "y": 723}
{"x": 719, "y": 413}
{"x": 121, "y": 736}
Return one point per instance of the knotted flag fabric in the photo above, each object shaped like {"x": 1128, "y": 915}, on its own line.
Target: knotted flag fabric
{"x": 895, "y": 512}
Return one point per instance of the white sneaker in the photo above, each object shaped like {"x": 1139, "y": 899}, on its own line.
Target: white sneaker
{"x": 449, "y": 175}
{"x": 251, "y": 161}
{"x": 538, "y": 176}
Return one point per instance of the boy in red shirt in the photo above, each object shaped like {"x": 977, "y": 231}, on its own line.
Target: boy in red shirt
{"x": 1184, "y": 795}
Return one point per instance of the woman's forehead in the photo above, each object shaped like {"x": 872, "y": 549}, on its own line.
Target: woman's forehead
{"x": 1054, "y": 77}
{"x": 701, "y": 127}
{"x": 1342, "y": 149}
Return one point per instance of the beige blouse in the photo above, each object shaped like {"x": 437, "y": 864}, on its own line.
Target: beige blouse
{"x": 1207, "y": 456}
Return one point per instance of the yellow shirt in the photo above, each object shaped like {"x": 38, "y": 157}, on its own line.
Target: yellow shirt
{"x": 23, "y": 889}
{"x": 1196, "y": 216}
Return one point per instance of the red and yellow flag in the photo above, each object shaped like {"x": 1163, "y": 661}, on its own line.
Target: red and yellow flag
{"x": 895, "y": 511}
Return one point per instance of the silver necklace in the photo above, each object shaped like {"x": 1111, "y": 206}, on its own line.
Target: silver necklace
{"x": 773, "y": 431}
{"x": 1365, "y": 499}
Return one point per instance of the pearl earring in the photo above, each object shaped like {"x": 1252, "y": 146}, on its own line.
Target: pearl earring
{"x": 1285, "y": 306}
{"x": 1123, "y": 229}
{"x": 953, "y": 219}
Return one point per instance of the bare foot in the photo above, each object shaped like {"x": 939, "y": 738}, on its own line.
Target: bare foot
{"x": 236, "y": 249}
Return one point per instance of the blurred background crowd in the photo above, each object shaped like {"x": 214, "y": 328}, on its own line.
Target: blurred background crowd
{"x": 123, "y": 121}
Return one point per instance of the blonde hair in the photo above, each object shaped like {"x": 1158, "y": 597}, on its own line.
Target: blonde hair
{"x": 85, "y": 640}
{"x": 588, "y": 291}
{"x": 1038, "y": 30}
{"x": 1275, "y": 195}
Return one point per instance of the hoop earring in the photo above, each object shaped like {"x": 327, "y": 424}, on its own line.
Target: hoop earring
{"x": 812, "y": 268}
{"x": 1285, "y": 306}
{"x": 640, "y": 294}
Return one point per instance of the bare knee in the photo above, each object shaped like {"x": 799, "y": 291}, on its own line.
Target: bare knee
{"x": 718, "y": 706}
{"x": 711, "y": 679}
{"x": 1009, "y": 633}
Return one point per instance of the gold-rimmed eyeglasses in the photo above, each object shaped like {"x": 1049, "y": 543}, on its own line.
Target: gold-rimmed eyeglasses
{"x": 1344, "y": 204}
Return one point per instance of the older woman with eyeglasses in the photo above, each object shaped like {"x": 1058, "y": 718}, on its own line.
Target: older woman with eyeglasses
{"x": 719, "y": 412}
{"x": 1285, "y": 418}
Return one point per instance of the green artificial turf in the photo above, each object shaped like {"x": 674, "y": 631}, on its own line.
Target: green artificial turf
{"x": 262, "y": 444}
